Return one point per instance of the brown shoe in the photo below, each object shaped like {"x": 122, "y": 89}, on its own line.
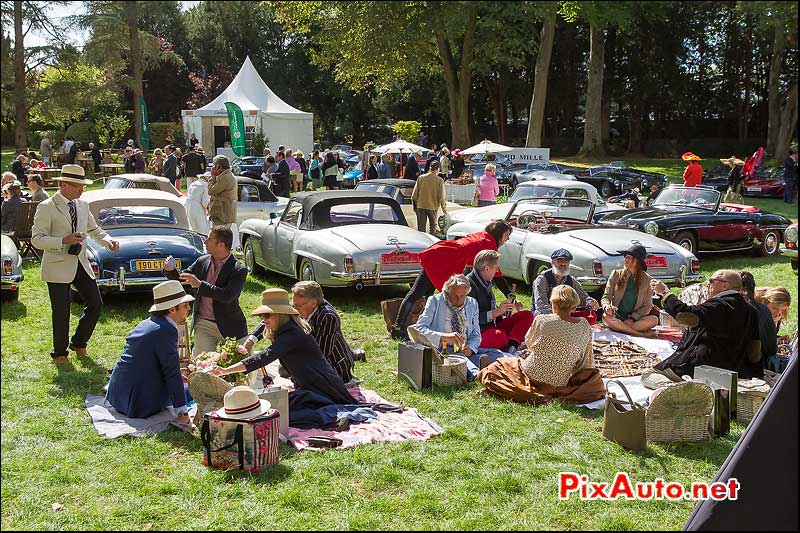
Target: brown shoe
{"x": 61, "y": 360}
{"x": 81, "y": 352}
{"x": 484, "y": 361}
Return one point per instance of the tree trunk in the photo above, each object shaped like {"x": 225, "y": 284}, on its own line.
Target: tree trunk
{"x": 592, "y": 131}
{"x": 459, "y": 81}
{"x": 635, "y": 125}
{"x": 541, "y": 74}
{"x": 497, "y": 95}
{"x": 788, "y": 123}
{"x": 744, "y": 108}
{"x": 608, "y": 76}
{"x": 774, "y": 124}
{"x": 136, "y": 66}
{"x": 20, "y": 104}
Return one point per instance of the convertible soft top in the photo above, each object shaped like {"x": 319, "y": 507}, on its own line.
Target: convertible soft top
{"x": 394, "y": 182}
{"x": 317, "y": 205}
{"x": 264, "y": 193}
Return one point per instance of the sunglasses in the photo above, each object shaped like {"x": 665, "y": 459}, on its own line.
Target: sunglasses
{"x": 266, "y": 316}
{"x": 716, "y": 280}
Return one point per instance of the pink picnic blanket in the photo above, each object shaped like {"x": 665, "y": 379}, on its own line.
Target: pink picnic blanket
{"x": 388, "y": 427}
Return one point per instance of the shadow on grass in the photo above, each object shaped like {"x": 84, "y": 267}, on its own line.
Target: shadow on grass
{"x": 79, "y": 376}
{"x": 13, "y": 310}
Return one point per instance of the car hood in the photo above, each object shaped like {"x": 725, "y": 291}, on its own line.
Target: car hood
{"x": 369, "y": 237}
{"x": 612, "y": 240}
{"x": 489, "y": 212}
{"x": 643, "y": 214}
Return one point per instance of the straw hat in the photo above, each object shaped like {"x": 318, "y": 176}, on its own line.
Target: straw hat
{"x": 243, "y": 402}
{"x": 73, "y": 174}
{"x": 169, "y": 294}
{"x": 275, "y": 301}
{"x": 732, "y": 161}
{"x": 689, "y": 156}
{"x": 199, "y": 148}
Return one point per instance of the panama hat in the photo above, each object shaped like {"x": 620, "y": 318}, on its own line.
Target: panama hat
{"x": 638, "y": 251}
{"x": 73, "y": 174}
{"x": 169, "y": 294}
{"x": 689, "y": 156}
{"x": 732, "y": 161}
{"x": 275, "y": 301}
{"x": 243, "y": 402}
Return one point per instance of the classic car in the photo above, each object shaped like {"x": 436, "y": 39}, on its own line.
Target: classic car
{"x": 646, "y": 178}
{"x": 247, "y": 163}
{"x": 401, "y": 190}
{"x": 536, "y": 173}
{"x": 149, "y": 225}
{"x": 716, "y": 177}
{"x": 141, "y": 181}
{"x": 696, "y": 218}
{"x": 537, "y": 189}
{"x": 766, "y": 184}
{"x": 609, "y": 181}
{"x": 544, "y": 224}
{"x": 256, "y": 200}
{"x": 12, "y": 268}
{"x": 337, "y": 238}
{"x": 789, "y": 248}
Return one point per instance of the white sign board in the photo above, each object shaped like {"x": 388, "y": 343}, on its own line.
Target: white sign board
{"x": 529, "y": 155}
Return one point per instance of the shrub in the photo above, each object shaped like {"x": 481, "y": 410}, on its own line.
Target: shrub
{"x": 83, "y": 132}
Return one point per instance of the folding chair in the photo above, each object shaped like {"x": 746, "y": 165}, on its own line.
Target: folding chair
{"x": 22, "y": 231}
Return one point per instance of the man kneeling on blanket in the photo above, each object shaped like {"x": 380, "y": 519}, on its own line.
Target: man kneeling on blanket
{"x": 560, "y": 361}
{"x": 147, "y": 378}
{"x": 313, "y": 376}
{"x": 451, "y": 318}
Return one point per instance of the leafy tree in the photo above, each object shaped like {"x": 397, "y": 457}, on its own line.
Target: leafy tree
{"x": 111, "y": 128}
{"x": 408, "y": 130}
{"x": 537, "y": 107}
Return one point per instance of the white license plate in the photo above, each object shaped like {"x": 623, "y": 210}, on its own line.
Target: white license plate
{"x": 754, "y": 189}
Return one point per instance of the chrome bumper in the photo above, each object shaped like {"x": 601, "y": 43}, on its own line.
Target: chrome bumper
{"x": 10, "y": 281}
{"x": 789, "y": 252}
{"x": 378, "y": 277}
{"x": 121, "y": 282}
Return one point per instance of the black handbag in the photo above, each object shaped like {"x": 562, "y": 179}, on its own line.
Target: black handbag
{"x": 624, "y": 421}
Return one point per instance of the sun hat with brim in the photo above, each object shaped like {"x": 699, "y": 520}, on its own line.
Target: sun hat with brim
{"x": 275, "y": 301}
{"x": 732, "y": 161}
{"x": 561, "y": 253}
{"x": 455, "y": 152}
{"x": 243, "y": 402}
{"x": 73, "y": 174}
{"x": 689, "y": 156}
{"x": 169, "y": 294}
{"x": 638, "y": 251}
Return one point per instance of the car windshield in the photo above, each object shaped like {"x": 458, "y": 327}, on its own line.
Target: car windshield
{"x": 532, "y": 191}
{"x": 689, "y": 196}
{"x": 362, "y": 213}
{"x": 118, "y": 183}
{"x": 542, "y": 210}
{"x": 390, "y": 190}
{"x": 149, "y": 215}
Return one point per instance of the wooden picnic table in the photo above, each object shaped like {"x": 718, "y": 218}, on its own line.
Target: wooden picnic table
{"x": 109, "y": 169}
{"x": 48, "y": 174}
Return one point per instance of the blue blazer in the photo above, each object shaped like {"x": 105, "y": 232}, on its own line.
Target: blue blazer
{"x": 147, "y": 377}
{"x": 433, "y": 321}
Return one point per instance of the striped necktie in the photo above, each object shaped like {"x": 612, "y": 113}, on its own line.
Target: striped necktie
{"x": 73, "y": 215}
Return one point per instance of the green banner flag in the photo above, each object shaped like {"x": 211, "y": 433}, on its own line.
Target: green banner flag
{"x": 236, "y": 121}
{"x": 144, "y": 137}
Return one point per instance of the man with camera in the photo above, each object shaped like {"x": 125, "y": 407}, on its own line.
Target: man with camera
{"x": 60, "y": 226}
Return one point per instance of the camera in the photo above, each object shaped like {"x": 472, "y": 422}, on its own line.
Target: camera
{"x": 74, "y": 249}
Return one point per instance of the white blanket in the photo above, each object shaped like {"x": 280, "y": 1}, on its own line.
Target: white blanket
{"x": 110, "y": 423}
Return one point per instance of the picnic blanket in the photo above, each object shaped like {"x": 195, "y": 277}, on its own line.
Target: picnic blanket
{"x": 385, "y": 427}
{"x": 662, "y": 348}
{"x": 111, "y": 424}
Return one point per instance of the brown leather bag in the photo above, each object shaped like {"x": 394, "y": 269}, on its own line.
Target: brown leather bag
{"x": 624, "y": 422}
{"x": 389, "y": 308}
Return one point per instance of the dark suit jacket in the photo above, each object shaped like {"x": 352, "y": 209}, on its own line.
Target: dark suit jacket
{"x": 192, "y": 164}
{"x": 225, "y": 293}
{"x": 147, "y": 377}
{"x": 170, "y": 170}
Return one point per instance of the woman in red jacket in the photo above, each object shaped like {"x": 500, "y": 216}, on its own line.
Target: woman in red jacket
{"x": 693, "y": 175}
{"x": 445, "y": 258}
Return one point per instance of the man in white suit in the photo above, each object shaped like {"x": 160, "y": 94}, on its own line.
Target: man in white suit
{"x": 60, "y": 226}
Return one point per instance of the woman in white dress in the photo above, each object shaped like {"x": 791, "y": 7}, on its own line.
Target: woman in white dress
{"x": 197, "y": 205}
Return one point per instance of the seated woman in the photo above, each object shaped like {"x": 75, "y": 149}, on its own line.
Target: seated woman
{"x": 560, "y": 361}
{"x": 297, "y": 351}
{"x": 776, "y": 301}
{"x": 767, "y": 332}
{"x": 628, "y": 298}
{"x": 450, "y": 322}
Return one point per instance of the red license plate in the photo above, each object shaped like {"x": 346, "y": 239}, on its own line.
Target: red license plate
{"x": 405, "y": 258}
{"x": 656, "y": 261}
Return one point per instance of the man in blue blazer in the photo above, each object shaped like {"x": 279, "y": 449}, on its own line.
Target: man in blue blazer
{"x": 147, "y": 378}
{"x": 219, "y": 279}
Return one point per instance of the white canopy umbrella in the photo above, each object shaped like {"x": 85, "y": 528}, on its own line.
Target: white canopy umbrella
{"x": 486, "y": 147}
{"x": 399, "y": 147}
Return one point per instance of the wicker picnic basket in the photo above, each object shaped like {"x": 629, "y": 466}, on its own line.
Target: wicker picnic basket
{"x": 752, "y": 393}
{"x": 452, "y": 370}
{"x": 680, "y": 413}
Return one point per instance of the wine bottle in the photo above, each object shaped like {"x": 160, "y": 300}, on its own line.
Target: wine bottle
{"x": 512, "y": 297}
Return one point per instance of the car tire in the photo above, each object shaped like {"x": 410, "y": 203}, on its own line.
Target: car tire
{"x": 250, "y": 258}
{"x": 687, "y": 240}
{"x": 305, "y": 272}
{"x": 536, "y": 268}
{"x": 606, "y": 189}
{"x": 514, "y": 182}
{"x": 770, "y": 244}
{"x": 794, "y": 264}
{"x": 10, "y": 296}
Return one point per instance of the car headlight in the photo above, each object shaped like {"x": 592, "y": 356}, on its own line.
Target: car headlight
{"x": 441, "y": 221}
{"x": 791, "y": 234}
{"x": 616, "y": 183}
{"x": 651, "y": 228}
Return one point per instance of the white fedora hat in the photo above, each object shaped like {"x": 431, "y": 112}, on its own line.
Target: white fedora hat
{"x": 243, "y": 402}
{"x": 73, "y": 174}
{"x": 169, "y": 294}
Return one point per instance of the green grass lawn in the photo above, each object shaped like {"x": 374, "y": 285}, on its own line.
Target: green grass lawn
{"x": 494, "y": 467}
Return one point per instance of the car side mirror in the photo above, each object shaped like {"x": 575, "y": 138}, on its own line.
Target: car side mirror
{"x": 273, "y": 215}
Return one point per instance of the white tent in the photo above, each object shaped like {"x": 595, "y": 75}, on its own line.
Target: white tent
{"x": 280, "y": 122}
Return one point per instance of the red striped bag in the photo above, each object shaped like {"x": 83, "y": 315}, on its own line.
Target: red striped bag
{"x": 249, "y": 444}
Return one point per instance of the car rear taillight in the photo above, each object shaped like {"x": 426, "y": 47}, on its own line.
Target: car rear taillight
{"x": 95, "y": 269}
{"x": 8, "y": 266}
{"x": 597, "y": 267}
{"x": 695, "y": 266}
{"x": 348, "y": 264}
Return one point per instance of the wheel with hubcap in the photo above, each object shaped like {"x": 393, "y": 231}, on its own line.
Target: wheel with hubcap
{"x": 770, "y": 243}
{"x": 686, "y": 239}
{"x": 306, "y": 270}
{"x": 606, "y": 189}
{"x": 250, "y": 258}
{"x": 535, "y": 269}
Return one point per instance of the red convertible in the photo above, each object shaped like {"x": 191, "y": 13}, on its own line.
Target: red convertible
{"x": 769, "y": 184}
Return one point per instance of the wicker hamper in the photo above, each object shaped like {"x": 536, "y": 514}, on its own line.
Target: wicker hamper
{"x": 453, "y": 371}
{"x": 680, "y": 413}
{"x": 752, "y": 393}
